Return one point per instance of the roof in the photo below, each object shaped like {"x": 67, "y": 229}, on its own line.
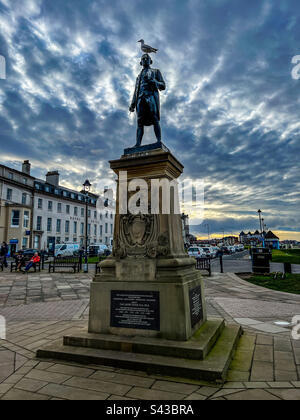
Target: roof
{"x": 270, "y": 235}
{"x": 256, "y": 232}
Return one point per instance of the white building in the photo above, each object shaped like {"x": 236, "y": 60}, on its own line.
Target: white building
{"x": 49, "y": 213}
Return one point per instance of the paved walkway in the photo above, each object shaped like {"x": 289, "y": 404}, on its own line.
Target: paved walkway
{"x": 266, "y": 364}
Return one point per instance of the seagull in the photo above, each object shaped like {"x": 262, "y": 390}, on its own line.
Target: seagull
{"x": 146, "y": 48}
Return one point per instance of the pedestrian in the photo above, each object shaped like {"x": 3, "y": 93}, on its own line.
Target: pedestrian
{"x": 34, "y": 260}
{"x": 4, "y": 252}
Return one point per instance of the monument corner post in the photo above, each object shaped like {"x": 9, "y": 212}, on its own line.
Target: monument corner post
{"x": 149, "y": 286}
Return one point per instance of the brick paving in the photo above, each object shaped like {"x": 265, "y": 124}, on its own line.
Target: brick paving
{"x": 266, "y": 364}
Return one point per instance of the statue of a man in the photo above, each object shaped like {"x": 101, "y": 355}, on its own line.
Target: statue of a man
{"x": 146, "y": 99}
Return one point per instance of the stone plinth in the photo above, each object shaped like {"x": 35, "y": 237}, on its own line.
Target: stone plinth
{"x": 149, "y": 286}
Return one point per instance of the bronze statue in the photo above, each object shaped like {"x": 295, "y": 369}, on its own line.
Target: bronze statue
{"x": 146, "y": 99}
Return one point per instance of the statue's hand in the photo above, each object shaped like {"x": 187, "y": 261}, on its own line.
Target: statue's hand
{"x": 131, "y": 108}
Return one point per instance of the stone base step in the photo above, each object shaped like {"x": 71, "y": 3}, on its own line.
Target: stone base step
{"x": 213, "y": 368}
{"x": 197, "y": 347}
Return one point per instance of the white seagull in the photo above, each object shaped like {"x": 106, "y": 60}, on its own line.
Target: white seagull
{"x": 146, "y": 48}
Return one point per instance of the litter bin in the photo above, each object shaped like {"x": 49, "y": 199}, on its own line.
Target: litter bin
{"x": 261, "y": 258}
{"x": 287, "y": 268}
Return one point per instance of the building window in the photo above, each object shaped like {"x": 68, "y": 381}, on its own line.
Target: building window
{"x": 67, "y": 239}
{"x": 106, "y": 214}
{"x": 101, "y": 230}
{"x": 75, "y": 240}
{"x": 39, "y": 223}
{"x": 36, "y": 243}
{"x": 9, "y": 194}
{"x": 26, "y": 219}
{"x": 95, "y": 215}
{"x": 95, "y": 230}
{"x": 67, "y": 226}
{"x": 89, "y": 229}
{"x": 89, "y": 213}
{"x": 40, "y": 204}
{"x": 75, "y": 228}
{"x": 59, "y": 207}
{"x": 111, "y": 229}
{"x": 82, "y": 229}
{"x": 106, "y": 227}
{"x": 82, "y": 212}
{"x": 75, "y": 211}
{"x": 58, "y": 225}
{"x": 58, "y": 240}
{"x": 50, "y": 205}
{"x": 49, "y": 225}
{"x": 10, "y": 175}
{"x": 15, "y": 218}
{"x": 25, "y": 181}
{"x": 100, "y": 216}
{"x": 24, "y": 243}
{"x": 67, "y": 209}
{"x": 24, "y": 199}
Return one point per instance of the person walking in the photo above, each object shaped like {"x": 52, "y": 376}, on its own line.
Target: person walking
{"x": 3, "y": 253}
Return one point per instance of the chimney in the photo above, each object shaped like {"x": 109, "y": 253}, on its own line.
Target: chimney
{"x": 53, "y": 178}
{"x": 26, "y": 167}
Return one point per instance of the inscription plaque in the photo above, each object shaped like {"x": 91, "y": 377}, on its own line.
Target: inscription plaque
{"x": 196, "y": 305}
{"x": 139, "y": 310}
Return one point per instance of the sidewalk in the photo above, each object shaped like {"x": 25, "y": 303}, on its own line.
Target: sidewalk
{"x": 266, "y": 364}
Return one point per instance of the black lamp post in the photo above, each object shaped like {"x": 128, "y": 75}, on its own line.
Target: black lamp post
{"x": 259, "y": 213}
{"x": 87, "y": 186}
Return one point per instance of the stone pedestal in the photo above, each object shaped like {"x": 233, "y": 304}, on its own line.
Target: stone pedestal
{"x": 147, "y": 308}
{"x": 149, "y": 286}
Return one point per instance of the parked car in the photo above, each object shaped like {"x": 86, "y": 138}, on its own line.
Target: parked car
{"x": 196, "y": 252}
{"x": 30, "y": 252}
{"x": 99, "y": 249}
{"x": 66, "y": 250}
{"x": 208, "y": 252}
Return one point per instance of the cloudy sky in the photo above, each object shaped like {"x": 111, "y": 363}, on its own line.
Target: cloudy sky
{"x": 230, "y": 112}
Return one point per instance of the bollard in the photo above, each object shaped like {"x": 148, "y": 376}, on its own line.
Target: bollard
{"x": 221, "y": 264}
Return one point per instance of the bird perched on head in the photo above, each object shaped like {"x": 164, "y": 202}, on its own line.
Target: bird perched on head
{"x": 146, "y": 48}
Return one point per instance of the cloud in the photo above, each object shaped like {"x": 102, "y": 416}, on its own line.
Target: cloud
{"x": 230, "y": 111}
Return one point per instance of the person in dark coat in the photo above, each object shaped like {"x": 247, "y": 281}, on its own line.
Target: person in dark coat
{"x": 146, "y": 99}
{"x": 4, "y": 252}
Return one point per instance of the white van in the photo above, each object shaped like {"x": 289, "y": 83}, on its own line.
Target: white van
{"x": 66, "y": 250}
{"x": 98, "y": 249}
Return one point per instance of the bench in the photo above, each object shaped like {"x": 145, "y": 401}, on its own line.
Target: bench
{"x": 14, "y": 266}
{"x": 65, "y": 262}
{"x": 204, "y": 264}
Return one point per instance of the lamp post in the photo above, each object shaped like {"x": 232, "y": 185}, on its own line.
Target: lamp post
{"x": 259, "y": 214}
{"x": 87, "y": 186}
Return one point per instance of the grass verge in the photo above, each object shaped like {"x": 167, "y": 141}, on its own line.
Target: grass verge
{"x": 290, "y": 284}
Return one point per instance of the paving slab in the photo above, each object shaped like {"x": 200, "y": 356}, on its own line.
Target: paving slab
{"x": 252, "y": 395}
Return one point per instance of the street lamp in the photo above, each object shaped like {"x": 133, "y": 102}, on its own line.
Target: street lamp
{"x": 87, "y": 186}
{"x": 259, "y": 214}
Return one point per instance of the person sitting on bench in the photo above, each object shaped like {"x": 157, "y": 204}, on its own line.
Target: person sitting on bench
{"x": 20, "y": 260}
{"x": 34, "y": 260}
